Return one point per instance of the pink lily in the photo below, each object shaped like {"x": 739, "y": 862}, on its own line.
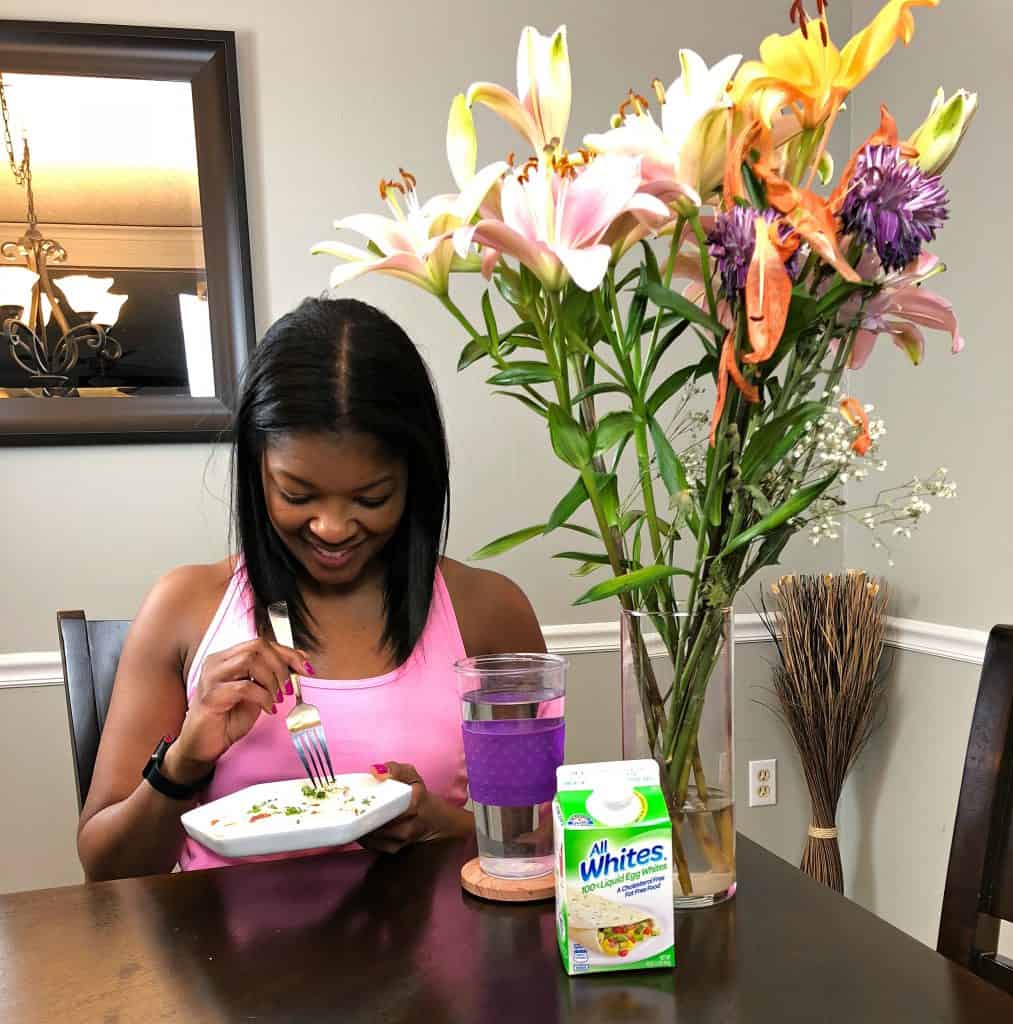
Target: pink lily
{"x": 555, "y": 218}
{"x": 541, "y": 109}
{"x": 416, "y": 244}
{"x": 901, "y": 309}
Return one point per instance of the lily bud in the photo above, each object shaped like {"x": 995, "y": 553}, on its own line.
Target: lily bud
{"x": 940, "y": 134}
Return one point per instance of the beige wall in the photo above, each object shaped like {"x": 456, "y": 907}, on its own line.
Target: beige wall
{"x": 954, "y": 411}
{"x": 331, "y": 101}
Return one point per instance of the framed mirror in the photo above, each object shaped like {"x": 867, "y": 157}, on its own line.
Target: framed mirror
{"x": 126, "y": 298}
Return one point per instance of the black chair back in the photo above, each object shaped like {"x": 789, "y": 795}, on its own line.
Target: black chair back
{"x": 979, "y": 881}
{"x": 90, "y": 651}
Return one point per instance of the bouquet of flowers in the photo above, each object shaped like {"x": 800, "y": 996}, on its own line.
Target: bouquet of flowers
{"x": 679, "y": 298}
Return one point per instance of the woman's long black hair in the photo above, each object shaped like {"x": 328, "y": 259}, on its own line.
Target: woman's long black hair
{"x": 333, "y": 366}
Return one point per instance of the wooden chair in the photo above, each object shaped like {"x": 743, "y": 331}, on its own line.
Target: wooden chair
{"x": 979, "y": 881}
{"x": 90, "y": 651}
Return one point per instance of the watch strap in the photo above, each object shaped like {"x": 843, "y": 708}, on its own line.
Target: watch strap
{"x": 167, "y": 787}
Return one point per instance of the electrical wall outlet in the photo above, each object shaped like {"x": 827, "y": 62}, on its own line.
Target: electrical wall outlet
{"x": 763, "y": 782}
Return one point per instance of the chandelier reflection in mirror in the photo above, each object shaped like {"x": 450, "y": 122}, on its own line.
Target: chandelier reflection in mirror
{"x": 41, "y": 338}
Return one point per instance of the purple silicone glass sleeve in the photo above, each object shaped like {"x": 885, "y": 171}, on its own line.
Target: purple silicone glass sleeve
{"x": 513, "y": 763}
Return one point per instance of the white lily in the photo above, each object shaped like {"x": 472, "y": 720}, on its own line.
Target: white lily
{"x": 686, "y": 152}
{"x": 416, "y": 243}
{"x": 541, "y": 109}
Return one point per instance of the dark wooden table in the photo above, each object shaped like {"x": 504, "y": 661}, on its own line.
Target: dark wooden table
{"x": 343, "y": 938}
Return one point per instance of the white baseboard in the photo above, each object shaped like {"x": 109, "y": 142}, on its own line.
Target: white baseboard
{"x": 936, "y": 639}
{"x": 43, "y": 668}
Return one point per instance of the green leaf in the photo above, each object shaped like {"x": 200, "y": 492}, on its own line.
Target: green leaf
{"x": 477, "y": 348}
{"x": 508, "y": 285}
{"x": 775, "y": 439}
{"x": 769, "y": 553}
{"x": 660, "y": 349}
{"x": 673, "y": 474}
{"x": 837, "y": 295}
{"x": 574, "y": 309}
{"x": 650, "y": 264}
{"x": 608, "y": 491}
{"x": 583, "y": 530}
{"x": 586, "y": 568}
{"x": 568, "y": 504}
{"x": 638, "y": 532}
{"x": 524, "y": 399}
{"x": 635, "y": 320}
{"x": 569, "y": 441}
{"x": 792, "y": 507}
{"x": 675, "y": 383}
{"x": 760, "y": 500}
{"x": 635, "y": 580}
{"x": 490, "y": 321}
{"x": 583, "y": 556}
{"x": 754, "y": 187}
{"x": 611, "y": 430}
{"x": 598, "y": 389}
{"x": 668, "y": 299}
{"x": 510, "y": 540}
{"x": 626, "y": 279}
{"x": 522, "y": 372}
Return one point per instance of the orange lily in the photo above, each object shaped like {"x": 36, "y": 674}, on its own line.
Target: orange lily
{"x": 809, "y": 214}
{"x": 806, "y": 71}
{"x": 855, "y": 414}
{"x": 768, "y": 293}
{"x": 727, "y": 367}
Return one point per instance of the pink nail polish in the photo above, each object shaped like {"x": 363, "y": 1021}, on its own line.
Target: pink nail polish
{"x": 289, "y": 689}
{"x": 380, "y": 769}
{"x": 274, "y": 709}
{"x": 308, "y": 668}
{"x": 279, "y": 697}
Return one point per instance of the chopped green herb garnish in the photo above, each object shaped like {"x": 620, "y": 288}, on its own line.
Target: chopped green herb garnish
{"x": 293, "y": 810}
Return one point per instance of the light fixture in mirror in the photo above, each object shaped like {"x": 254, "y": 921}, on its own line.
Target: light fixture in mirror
{"x": 91, "y": 295}
{"x": 16, "y": 286}
{"x": 200, "y": 371}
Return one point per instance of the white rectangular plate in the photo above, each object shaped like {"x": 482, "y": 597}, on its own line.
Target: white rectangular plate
{"x": 285, "y": 820}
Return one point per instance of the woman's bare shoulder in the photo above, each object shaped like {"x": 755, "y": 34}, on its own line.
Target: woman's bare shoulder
{"x": 493, "y": 613}
{"x": 183, "y": 602}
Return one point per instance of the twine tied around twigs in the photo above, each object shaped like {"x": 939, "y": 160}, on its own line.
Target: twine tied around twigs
{"x": 822, "y": 833}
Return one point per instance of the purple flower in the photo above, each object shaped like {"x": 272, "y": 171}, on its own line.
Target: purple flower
{"x": 731, "y": 244}
{"x": 893, "y": 206}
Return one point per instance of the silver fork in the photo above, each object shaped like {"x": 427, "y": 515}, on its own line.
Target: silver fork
{"x": 303, "y": 721}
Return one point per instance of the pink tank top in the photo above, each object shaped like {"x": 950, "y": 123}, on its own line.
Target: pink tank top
{"x": 410, "y": 715}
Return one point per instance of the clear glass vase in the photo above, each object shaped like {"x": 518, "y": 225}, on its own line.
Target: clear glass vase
{"x": 677, "y": 706}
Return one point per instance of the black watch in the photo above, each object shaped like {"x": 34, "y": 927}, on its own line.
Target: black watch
{"x": 176, "y": 790}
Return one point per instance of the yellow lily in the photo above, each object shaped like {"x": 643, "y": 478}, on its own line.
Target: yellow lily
{"x": 806, "y": 72}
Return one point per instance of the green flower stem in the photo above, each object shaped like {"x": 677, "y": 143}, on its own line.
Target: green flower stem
{"x": 673, "y": 252}
{"x": 456, "y": 312}
{"x": 705, "y": 264}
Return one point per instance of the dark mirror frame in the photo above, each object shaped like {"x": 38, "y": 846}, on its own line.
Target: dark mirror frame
{"x": 207, "y": 60}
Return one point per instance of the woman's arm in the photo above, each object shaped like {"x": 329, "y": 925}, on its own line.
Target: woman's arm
{"x": 127, "y": 827}
{"x": 493, "y": 613}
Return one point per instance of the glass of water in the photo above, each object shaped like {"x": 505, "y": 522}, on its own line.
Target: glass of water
{"x": 512, "y": 723}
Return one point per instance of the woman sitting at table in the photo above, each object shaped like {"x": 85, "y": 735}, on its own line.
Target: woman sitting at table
{"x": 340, "y": 508}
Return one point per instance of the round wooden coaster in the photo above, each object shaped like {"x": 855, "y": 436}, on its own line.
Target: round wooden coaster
{"x": 505, "y": 890}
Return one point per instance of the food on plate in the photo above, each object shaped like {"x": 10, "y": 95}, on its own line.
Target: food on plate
{"x": 305, "y": 804}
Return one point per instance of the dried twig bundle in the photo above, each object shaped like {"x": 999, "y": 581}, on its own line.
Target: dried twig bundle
{"x": 829, "y": 632}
